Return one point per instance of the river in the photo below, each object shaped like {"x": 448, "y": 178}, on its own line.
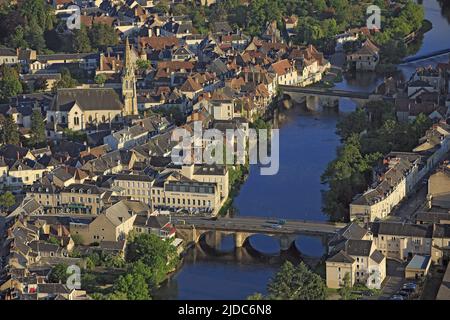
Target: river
{"x": 308, "y": 143}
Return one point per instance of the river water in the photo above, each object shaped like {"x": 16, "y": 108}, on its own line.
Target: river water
{"x": 308, "y": 143}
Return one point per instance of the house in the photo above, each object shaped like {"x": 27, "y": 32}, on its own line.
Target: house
{"x": 418, "y": 267}
{"x": 395, "y": 179}
{"x": 126, "y": 138}
{"x": 439, "y": 188}
{"x": 8, "y": 56}
{"x": 112, "y": 225}
{"x": 83, "y": 199}
{"x": 159, "y": 225}
{"x": 366, "y": 58}
{"x": 286, "y": 73}
{"x": 359, "y": 263}
{"x": 402, "y": 240}
{"x": 173, "y": 191}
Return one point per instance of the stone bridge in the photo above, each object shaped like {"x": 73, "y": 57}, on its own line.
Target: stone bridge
{"x": 192, "y": 229}
{"x": 313, "y": 96}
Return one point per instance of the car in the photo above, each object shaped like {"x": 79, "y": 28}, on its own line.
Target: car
{"x": 403, "y": 293}
{"x": 396, "y": 297}
{"x": 410, "y": 287}
{"x": 275, "y": 226}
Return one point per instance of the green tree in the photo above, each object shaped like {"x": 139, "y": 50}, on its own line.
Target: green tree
{"x": 66, "y": 80}
{"x": 7, "y": 200}
{"x": 130, "y": 287}
{"x": 102, "y": 35}
{"x": 37, "y": 128}
{"x": 159, "y": 255}
{"x": 53, "y": 240}
{"x": 355, "y": 122}
{"x": 10, "y": 85}
{"x": 80, "y": 40}
{"x": 58, "y": 274}
{"x": 256, "y": 296}
{"x": 142, "y": 65}
{"x": 345, "y": 291}
{"x": 9, "y": 133}
{"x": 296, "y": 283}
{"x": 141, "y": 268}
{"x": 100, "y": 79}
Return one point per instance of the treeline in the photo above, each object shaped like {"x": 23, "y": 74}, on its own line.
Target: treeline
{"x": 147, "y": 262}
{"x": 33, "y": 24}
{"x": 364, "y": 144}
{"x": 319, "y": 20}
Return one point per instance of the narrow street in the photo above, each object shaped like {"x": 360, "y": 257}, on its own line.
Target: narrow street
{"x": 411, "y": 205}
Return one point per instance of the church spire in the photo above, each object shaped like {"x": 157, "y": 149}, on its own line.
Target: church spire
{"x": 129, "y": 82}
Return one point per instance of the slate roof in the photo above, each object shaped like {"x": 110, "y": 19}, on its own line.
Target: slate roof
{"x": 401, "y": 229}
{"x": 341, "y": 257}
{"x": 358, "y": 247}
{"x": 87, "y": 99}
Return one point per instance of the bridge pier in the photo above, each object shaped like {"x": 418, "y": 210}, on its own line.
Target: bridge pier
{"x": 286, "y": 242}
{"x": 215, "y": 239}
{"x": 239, "y": 239}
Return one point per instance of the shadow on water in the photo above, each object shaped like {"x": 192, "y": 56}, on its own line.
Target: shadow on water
{"x": 307, "y": 143}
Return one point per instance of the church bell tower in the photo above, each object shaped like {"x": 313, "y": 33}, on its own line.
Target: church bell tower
{"x": 129, "y": 94}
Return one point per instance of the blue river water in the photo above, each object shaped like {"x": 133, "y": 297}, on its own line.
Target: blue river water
{"x": 308, "y": 142}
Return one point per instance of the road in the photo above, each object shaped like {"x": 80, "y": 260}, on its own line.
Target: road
{"x": 395, "y": 273}
{"x": 258, "y": 224}
{"x": 410, "y": 206}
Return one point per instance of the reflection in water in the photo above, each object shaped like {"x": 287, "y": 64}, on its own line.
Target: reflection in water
{"x": 307, "y": 143}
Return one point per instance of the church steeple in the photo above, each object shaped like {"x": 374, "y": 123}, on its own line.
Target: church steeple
{"x": 129, "y": 94}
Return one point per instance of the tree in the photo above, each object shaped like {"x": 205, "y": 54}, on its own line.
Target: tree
{"x": 345, "y": 291}
{"x": 162, "y": 7}
{"x": 66, "y": 80}
{"x": 355, "y": 122}
{"x": 58, "y": 274}
{"x": 100, "y": 79}
{"x": 102, "y": 35}
{"x": 256, "y": 296}
{"x": 9, "y": 133}
{"x": 296, "y": 283}
{"x": 37, "y": 128}
{"x": 142, "y": 65}
{"x": 80, "y": 41}
{"x": 159, "y": 255}
{"x": 141, "y": 268}
{"x": 10, "y": 85}
{"x": 130, "y": 287}
{"x": 53, "y": 240}
{"x": 7, "y": 200}
{"x": 40, "y": 84}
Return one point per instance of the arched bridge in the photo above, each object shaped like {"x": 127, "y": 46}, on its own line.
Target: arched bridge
{"x": 191, "y": 229}
{"x": 336, "y": 93}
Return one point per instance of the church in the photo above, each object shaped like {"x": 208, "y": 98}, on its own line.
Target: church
{"x": 82, "y": 108}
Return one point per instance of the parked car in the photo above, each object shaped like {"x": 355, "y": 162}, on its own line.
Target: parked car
{"x": 403, "y": 293}
{"x": 409, "y": 287}
{"x": 276, "y": 226}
